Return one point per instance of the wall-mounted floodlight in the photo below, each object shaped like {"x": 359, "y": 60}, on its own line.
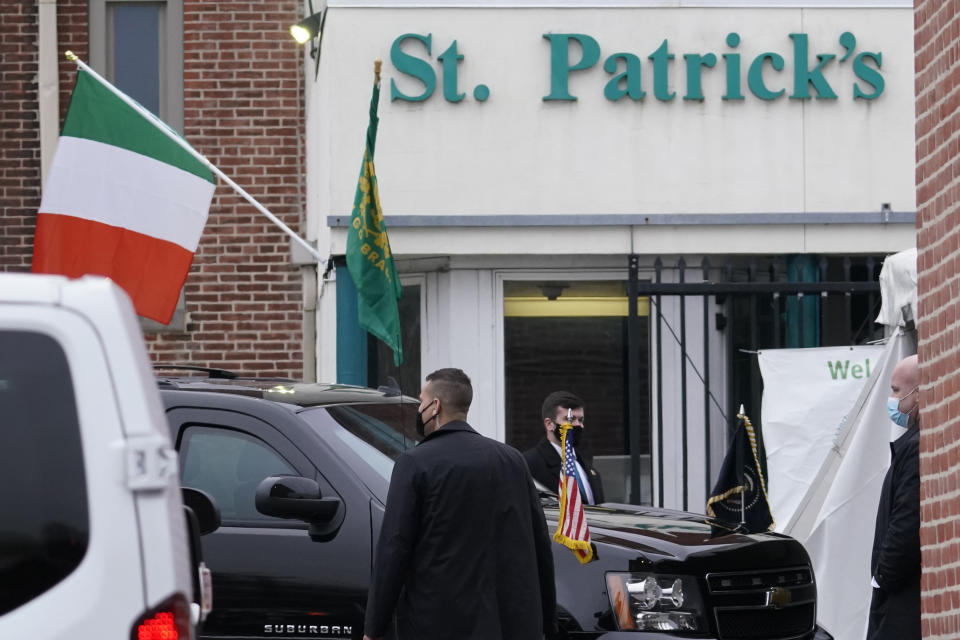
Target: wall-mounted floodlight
{"x": 310, "y": 29}
{"x": 307, "y": 29}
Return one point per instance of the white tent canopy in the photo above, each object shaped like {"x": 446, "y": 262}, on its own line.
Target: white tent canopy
{"x": 835, "y": 519}
{"x": 898, "y": 288}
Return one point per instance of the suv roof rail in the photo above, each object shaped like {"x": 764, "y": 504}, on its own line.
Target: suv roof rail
{"x": 210, "y": 371}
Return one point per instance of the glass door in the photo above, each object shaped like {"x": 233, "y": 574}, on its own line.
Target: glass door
{"x": 572, "y": 336}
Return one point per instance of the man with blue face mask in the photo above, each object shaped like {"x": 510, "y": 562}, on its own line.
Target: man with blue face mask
{"x": 895, "y": 562}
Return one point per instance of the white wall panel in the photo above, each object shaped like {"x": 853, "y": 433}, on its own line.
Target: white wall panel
{"x": 517, "y": 154}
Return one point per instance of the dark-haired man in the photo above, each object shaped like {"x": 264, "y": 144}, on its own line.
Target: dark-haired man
{"x": 544, "y": 458}
{"x": 464, "y": 551}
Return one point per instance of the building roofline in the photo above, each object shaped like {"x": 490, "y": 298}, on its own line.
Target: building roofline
{"x": 621, "y": 4}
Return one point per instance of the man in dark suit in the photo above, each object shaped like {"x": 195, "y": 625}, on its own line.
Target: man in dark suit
{"x": 544, "y": 458}
{"x": 895, "y": 561}
{"x": 463, "y": 551}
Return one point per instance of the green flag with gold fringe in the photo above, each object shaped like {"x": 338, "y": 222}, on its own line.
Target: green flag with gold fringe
{"x": 369, "y": 258}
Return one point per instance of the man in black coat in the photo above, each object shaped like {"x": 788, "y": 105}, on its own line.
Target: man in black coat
{"x": 464, "y": 551}
{"x": 895, "y": 562}
{"x": 544, "y": 458}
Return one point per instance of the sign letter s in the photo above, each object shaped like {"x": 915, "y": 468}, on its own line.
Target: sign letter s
{"x": 412, "y": 66}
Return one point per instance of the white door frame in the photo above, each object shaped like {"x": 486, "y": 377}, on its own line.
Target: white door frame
{"x": 502, "y": 275}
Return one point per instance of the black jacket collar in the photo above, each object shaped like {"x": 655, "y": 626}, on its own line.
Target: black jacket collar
{"x": 450, "y": 427}
{"x": 910, "y": 434}
{"x": 546, "y": 449}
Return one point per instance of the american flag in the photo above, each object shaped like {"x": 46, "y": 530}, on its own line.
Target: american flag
{"x": 572, "y": 530}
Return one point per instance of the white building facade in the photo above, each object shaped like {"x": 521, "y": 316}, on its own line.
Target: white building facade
{"x": 527, "y": 150}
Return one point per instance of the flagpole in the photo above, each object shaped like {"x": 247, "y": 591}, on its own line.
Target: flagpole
{"x": 743, "y": 490}
{"x": 743, "y": 506}
{"x": 162, "y": 126}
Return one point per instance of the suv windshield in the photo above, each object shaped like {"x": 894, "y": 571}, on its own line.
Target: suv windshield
{"x": 374, "y": 435}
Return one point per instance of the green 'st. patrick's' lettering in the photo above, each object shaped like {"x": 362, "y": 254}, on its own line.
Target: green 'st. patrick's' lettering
{"x": 765, "y": 77}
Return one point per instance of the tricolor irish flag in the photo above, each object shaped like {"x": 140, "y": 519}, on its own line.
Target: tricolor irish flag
{"x": 122, "y": 200}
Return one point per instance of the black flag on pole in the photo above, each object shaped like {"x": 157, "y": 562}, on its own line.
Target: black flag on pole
{"x": 740, "y": 493}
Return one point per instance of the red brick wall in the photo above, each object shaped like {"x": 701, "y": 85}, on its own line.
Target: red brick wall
{"x": 937, "y": 44}
{"x": 19, "y": 135}
{"x": 19, "y": 117}
{"x": 243, "y": 108}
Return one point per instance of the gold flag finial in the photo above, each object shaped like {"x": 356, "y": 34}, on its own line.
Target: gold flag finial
{"x": 71, "y": 56}
{"x": 376, "y": 70}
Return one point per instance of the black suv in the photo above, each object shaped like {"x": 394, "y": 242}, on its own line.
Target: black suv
{"x": 300, "y": 473}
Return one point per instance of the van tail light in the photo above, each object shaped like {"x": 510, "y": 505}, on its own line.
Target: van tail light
{"x": 168, "y": 621}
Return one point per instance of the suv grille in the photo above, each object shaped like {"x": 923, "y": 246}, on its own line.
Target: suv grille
{"x": 768, "y": 604}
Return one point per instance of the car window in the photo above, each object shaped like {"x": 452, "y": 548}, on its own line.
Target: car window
{"x": 44, "y": 529}
{"x": 229, "y": 465}
{"x": 376, "y": 434}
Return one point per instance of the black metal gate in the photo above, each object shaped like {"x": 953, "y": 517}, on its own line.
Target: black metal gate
{"x": 757, "y": 302}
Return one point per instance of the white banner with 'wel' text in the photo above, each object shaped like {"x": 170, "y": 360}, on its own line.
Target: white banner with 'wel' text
{"x": 807, "y": 393}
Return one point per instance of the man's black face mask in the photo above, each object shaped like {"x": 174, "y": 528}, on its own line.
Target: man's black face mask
{"x": 574, "y": 434}
{"x": 421, "y": 425}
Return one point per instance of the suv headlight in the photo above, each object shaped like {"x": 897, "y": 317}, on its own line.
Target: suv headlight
{"x": 650, "y": 602}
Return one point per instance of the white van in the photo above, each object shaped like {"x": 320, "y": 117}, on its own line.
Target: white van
{"x": 93, "y": 542}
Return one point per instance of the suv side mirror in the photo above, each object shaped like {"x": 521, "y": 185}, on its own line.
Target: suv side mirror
{"x": 295, "y": 497}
